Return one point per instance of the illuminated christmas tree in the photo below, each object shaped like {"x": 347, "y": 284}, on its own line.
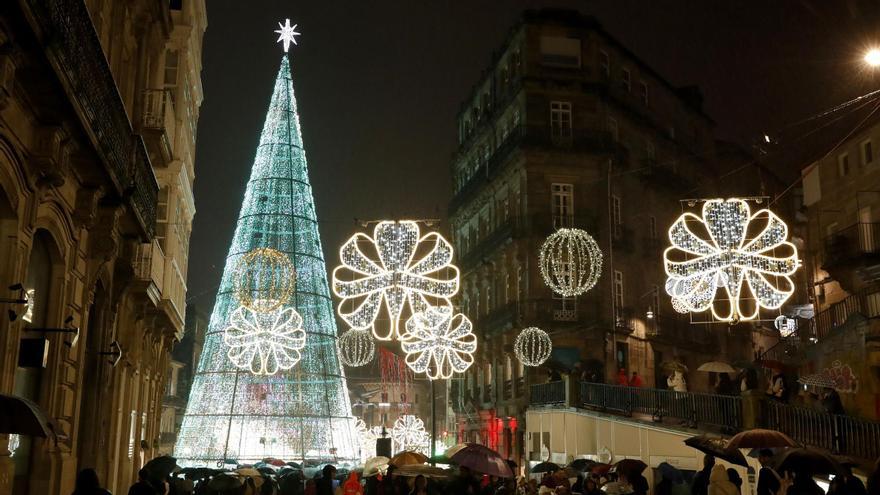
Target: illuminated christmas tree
{"x": 269, "y": 382}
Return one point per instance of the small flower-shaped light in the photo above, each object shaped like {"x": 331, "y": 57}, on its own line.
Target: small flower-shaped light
{"x": 439, "y": 343}
{"x": 409, "y": 433}
{"x": 395, "y": 277}
{"x": 745, "y": 267}
{"x": 265, "y": 342}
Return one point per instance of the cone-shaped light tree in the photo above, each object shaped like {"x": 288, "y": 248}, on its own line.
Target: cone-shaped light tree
{"x": 269, "y": 382}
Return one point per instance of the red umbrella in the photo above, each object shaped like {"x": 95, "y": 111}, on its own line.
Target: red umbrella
{"x": 760, "y": 439}
{"x": 482, "y": 460}
{"x": 630, "y": 467}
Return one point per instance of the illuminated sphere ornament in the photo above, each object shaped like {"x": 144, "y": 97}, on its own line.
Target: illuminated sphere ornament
{"x": 408, "y": 433}
{"x": 356, "y": 348}
{"x": 408, "y": 269}
{"x": 265, "y": 343}
{"x": 532, "y": 346}
{"x": 264, "y": 279}
{"x": 570, "y": 262}
{"x": 745, "y": 255}
{"x": 439, "y": 343}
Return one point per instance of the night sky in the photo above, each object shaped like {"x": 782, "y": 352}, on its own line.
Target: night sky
{"x": 379, "y": 84}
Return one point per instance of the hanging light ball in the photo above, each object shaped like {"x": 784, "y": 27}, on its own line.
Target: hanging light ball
{"x": 532, "y": 346}
{"x": 570, "y": 262}
{"x": 356, "y": 348}
{"x": 264, "y": 279}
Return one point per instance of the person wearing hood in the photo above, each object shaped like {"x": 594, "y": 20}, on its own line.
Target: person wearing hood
{"x": 719, "y": 482}
{"x": 352, "y": 485}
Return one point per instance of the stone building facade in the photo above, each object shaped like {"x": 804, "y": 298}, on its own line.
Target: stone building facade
{"x": 99, "y": 102}
{"x": 568, "y": 128}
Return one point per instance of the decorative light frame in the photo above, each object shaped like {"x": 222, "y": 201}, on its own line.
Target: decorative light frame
{"x": 409, "y": 433}
{"x": 532, "y": 346}
{"x": 356, "y": 348}
{"x": 264, "y": 343}
{"x": 570, "y": 262}
{"x": 439, "y": 343}
{"x": 395, "y": 280}
{"x": 729, "y": 260}
{"x": 264, "y": 279}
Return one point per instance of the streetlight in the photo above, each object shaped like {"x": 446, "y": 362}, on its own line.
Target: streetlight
{"x": 872, "y": 57}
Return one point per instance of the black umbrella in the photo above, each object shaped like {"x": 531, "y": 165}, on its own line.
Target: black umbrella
{"x": 197, "y": 473}
{"x": 545, "y": 467}
{"x": 161, "y": 467}
{"x": 582, "y": 465}
{"x": 629, "y": 467}
{"x": 806, "y": 460}
{"x": 717, "y": 446}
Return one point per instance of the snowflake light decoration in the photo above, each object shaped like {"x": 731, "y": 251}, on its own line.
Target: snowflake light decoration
{"x": 532, "y": 346}
{"x": 264, "y": 279}
{"x": 287, "y": 34}
{"x": 570, "y": 262}
{"x": 264, "y": 342}
{"x": 408, "y": 433}
{"x": 396, "y": 278}
{"x": 356, "y": 348}
{"x": 366, "y": 437}
{"x": 730, "y": 260}
{"x": 439, "y": 343}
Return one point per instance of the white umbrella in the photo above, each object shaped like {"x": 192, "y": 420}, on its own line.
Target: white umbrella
{"x": 375, "y": 465}
{"x": 717, "y": 367}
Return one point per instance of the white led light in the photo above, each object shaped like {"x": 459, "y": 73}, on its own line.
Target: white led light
{"x": 570, "y": 262}
{"x": 287, "y": 34}
{"x": 264, "y": 279}
{"x": 264, "y": 342}
{"x": 356, "y": 348}
{"x": 786, "y": 326}
{"x": 408, "y": 433}
{"x": 532, "y": 346}
{"x": 696, "y": 268}
{"x": 396, "y": 278}
{"x": 679, "y": 306}
{"x": 439, "y": 343}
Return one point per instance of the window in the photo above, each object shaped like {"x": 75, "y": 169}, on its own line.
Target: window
{"x": 560, "y": 119}
{"x": 613, "y": 129}
{"x": 563, "y": 205}
{"x": 618, "y": 291}
{"x": 626, "y": 80}
{"x": 162, "y": 217}
{"x": 172, "y": 61}
{"x": 867, "y": 152}
{"x": 643, "y": 92}
{"x": 843, "y": 164}
{"x": 132, "y": 425}
{"x": 616, "y": 213}
{"x": 605, "y": 64}
{"x": 652, "y": 227}
{"x": 560, "y": 51}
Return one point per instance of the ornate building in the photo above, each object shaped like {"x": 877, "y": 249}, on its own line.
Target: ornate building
{"x": 568, "y": 128}
{"x": 99, "y": 102}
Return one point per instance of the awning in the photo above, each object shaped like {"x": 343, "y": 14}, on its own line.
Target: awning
{"x": 24, "y": 417}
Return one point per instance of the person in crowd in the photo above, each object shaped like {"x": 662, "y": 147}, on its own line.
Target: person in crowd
{"x": 311, "y": 487}
{"x": 850, "y": 484}
{"x": 324, "y": 485}
{"x": 591, "y": 487}
{"x": 768, "y": 479}
{"x": 803, "y": 484}
{"x": 144, "y": 485}
{"x": 87, "y": 483}
{"x": 635, "y": 380}
{"x": 464, "y": 483}
{"x": 352, "y": 485}
{"x": 553, "y": 376}
{"x": 676, "y": 382}
{"x": 777, "y": 389}
{"x": 735, "y": 478}
{"x": 639, "y": 484}
{"x": 724, "y": 385}
{"x": 874, "y": 480}
{"x": 420, "y": 486}
{"x": 701, "y": 479}
{"x": 621, "y": 378}
{"x": 831, "y": 402}
{"x": 719, "y": 482}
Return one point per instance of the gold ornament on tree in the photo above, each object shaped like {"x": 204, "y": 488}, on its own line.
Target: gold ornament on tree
{"x": 264, "y": 280}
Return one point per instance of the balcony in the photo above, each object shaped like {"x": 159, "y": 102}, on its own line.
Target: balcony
{"x": 865, "y": 303}
{"x": 544, "y": 394}
{"x": 853, "y": 247}
{"x": 533, "y": 138}
{"x": 158, "y": 124}
{"x": 74, "y": 51}
{"x": 148, "y": 263}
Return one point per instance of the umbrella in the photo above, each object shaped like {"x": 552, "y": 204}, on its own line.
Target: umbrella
{"x": 24, "y": 417}
{"x": 408, "y": 457}
{"x": 759, "y": 438}
{"x": 294, "y": 465}
{"x": 197, "y": 473}
{"x": 617, "y": 488}
{"x": 674, "y": 366}
{"x": 716, "y": 446}
{"x": 451, "y": 451}
{"x": 375, "y": 465}
{"x": 414, "y": 470}
{"x": 545, "y": 467}
{"x": 717, "y": 367}
{"x": 601, "y": 469}
{"x": 670, "y": 472}
{"x": 482, "y": 460}
{"x": 630, "y": 467}
{"x": 582, "y": 464}
{"x": 161, "y": 467}
{"x": 225, "y": 482}
{"x": 817, "y": 380}
{"x": 811, "y": 461}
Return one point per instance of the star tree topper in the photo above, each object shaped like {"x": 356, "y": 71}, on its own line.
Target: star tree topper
{"x": 287, "y": 34}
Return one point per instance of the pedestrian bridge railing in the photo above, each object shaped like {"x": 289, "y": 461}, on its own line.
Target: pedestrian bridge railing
{"x": 836, "y": 433}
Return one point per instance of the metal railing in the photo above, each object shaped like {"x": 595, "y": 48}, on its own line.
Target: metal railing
{"x": 722, "y": 411}
{"x": 75, "y": 54}
{"x": 866, "y": 302}
{"x": 547, "y": 393}
{"x": 837, "y": 433}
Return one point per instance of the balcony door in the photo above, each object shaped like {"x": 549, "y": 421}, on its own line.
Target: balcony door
{"x": 867, "y": 243}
